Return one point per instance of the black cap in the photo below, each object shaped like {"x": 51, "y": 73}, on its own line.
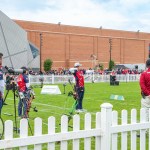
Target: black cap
{"x": 1, "y": 54}
{"x": 24, "y": 69}
{"x": 148, "y": 62}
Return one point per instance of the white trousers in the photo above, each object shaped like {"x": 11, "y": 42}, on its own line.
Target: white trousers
{"x": 2, "y": 87}
{"x": 145, "y": 103}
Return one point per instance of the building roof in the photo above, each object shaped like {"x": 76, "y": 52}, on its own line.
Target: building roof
{"x": 120, "y": 67}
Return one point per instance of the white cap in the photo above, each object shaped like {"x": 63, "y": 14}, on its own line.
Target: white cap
{"x": 77, "y": 64}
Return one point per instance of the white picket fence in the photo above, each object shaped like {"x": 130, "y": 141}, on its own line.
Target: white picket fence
{"x": 89, "y": 78}
{"x": 105, "y": 133}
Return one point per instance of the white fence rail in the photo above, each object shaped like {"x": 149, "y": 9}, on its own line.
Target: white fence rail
{"x": 105, "y": 133}
{"x": 55, "y": 79}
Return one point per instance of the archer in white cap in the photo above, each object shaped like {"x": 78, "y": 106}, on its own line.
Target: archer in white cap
{"x": 77, "y": 64}
{"x": 79, "y": 86}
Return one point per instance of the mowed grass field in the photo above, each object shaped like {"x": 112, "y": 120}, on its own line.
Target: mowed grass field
{"x": 95, "y": 95}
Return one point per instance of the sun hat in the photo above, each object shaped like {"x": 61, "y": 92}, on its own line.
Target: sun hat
{"x": 77, "y": 64}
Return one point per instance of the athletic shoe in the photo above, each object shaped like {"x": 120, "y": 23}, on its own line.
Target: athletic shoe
{"x": 81, "y": 110}
{"x": 84, "y": 110}
{"x": 19, "y": 117}
{"x": 78, "y": 111}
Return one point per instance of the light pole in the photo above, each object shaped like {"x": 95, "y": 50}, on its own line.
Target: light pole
{"x": 93, "y": 57}
{"x": 110, "y": 47}
{"x": 40, "y": 51}
{"x": 138, "y": 32}
{"x": 100, "y": 30}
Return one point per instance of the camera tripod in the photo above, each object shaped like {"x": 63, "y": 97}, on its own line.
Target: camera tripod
{"x": 1, "y": 127}
{"x": 14, "y": 88}
{"x": 8, "y": 87}
{"x": 6, "y": 97}
{"x": 1, "y": 120}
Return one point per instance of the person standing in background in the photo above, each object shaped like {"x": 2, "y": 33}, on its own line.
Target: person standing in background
{"x": 2, "y": 83}
{"x": 23, "y": 85}
{"x": 145, "y": 88}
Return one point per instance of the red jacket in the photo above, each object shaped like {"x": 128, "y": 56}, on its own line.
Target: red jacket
{"x": 145, "y": 82}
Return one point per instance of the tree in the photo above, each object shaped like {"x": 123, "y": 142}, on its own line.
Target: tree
{"x": 111, "y": 65}
{"x": 101, "y": 66}
{"x": 48, "y": 65}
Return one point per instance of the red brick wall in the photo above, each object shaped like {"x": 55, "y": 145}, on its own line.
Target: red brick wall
{"x": 67, "y": 44}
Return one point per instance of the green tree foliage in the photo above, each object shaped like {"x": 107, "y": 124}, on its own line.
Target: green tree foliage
{"x": 111, "y": 65}
{"x": 48, "y": 65}
{"x": 101, "y": 66}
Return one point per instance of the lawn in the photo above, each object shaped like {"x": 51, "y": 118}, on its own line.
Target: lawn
{"x": 95, "y": 95}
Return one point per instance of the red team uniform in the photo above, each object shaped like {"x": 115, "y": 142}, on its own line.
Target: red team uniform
{"x": 23, "y": 82}
{"x": 79, "y": 88}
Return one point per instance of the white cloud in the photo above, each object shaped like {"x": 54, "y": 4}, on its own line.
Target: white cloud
{"x": 133, "y": 3}
{"x": 112, "y": 14}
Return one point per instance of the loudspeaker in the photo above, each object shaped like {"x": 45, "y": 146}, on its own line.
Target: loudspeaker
{"x": 113, "y": 80}
{"x": 114, "y": 83}
{"x": 136, "y": 66}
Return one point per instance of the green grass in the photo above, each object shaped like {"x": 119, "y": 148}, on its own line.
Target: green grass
{"x": 95, "y": 95}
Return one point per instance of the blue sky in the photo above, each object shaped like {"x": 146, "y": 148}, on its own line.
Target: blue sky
{"x": 130, "y": 15}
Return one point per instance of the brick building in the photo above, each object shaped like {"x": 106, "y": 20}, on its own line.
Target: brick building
{"x": 90, "y": 46}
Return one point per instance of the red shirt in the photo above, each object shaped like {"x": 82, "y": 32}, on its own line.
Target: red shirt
{"x": 145, "y": 82}
{"x": 21, "y": 83}
{"x": 79, "y": 79}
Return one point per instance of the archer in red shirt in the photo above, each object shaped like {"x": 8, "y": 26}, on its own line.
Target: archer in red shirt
{"x": 79, "y": 86}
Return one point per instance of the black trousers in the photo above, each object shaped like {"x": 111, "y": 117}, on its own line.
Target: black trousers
{"x": 80, "y": 95}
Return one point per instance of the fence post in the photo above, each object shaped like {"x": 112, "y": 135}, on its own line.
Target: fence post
{"x": 128, "y": 79}
{"x": 93, "y": 77}
{"x": 53, "y": 78}
{"x": 106, "y": 121}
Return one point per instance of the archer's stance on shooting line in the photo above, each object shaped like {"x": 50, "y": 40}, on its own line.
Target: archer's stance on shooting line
{"x": 2, "y": 83}
{"x": 79, "y": 85}
{"x": 25, "y": 97}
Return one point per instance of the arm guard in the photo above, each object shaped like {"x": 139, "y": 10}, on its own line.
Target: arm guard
{"x": 72, "y": 70}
